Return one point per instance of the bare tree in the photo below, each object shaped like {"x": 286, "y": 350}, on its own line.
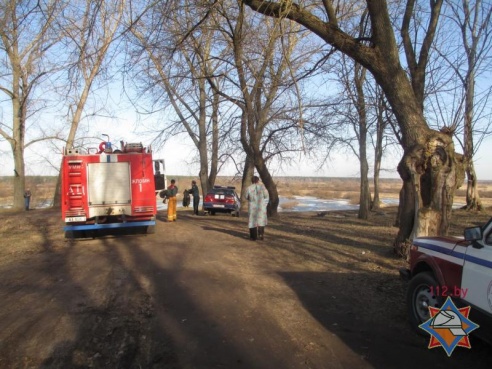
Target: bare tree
{"x": 89, "y": 29}
{"x": 365, "y": 195}
{"x": 176, "y": 61}
{"x": 428, "y": 167}
{"x": 353, "y": 78}
{"x": 352, "y": 110}
{"x": 383, "y": 116}
{"x": 474, "y": 21}
{"x": 27, "y": 35}
{"x": 263, "y": 71}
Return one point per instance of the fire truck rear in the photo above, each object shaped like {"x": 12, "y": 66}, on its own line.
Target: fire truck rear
{"x": 110, "y": 189}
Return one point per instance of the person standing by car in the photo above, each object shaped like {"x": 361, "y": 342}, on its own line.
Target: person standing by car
{"x": 258, "y": 198}
{"x": 196, "y": 196}
{"x": 172, "y": 191}
{"x": 27, "y": 198}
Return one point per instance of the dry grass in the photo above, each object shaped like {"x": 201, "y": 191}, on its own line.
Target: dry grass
{"x": 42, "y": 189}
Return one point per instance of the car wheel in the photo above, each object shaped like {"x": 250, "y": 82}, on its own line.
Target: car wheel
{"x": 421, "y": 294}
{"x": 212, "y": 212}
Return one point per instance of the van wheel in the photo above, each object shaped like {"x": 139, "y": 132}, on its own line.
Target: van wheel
{"x": 422, "y": 293}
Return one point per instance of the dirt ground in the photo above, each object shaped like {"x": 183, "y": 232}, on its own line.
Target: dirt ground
{"x": 318, "y": 292}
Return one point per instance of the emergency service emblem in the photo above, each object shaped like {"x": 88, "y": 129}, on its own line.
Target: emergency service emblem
{"x": 449, "y": 327}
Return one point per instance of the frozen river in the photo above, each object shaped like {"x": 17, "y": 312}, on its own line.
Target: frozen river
{"x": 293, "y": 203}
{"x": 306, "y": 203}
{"x": 309, "y": 203}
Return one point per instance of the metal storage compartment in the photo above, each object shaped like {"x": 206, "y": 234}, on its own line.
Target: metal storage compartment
{"x": 109, "y": 183}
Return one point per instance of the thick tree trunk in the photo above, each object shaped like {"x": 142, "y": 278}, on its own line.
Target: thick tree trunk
{"x": 248, "y": 172}
{"x": 270, "y": 185}
{"x": 19, "y": 178}
{"x": 208, "y": 177}
{"x": 430, "y": 169}
{"x": 430, "y": 175}
{"x": 365, "y": 195}
{"x": 472, "y": 197}
{"x": 378, "y": 154}
{"x": 376, "y": 202}
{"x": 17, "y": 144}
{"x": 250, "y": 140}
{"x": 473, "y": 201}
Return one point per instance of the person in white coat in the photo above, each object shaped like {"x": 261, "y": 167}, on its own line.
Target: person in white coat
{"x": 258, "y": 198}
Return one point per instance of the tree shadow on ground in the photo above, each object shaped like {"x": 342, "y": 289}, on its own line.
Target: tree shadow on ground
{"x": 383, "y": 340}
{"x": 111, "y": 303}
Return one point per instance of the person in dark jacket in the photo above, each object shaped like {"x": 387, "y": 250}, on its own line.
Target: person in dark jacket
{"x": 196, "y": 196}
{"x": 27, "y": 198}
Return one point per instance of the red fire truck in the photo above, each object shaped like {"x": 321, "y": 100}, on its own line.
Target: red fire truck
{"x": 104, "y": 188}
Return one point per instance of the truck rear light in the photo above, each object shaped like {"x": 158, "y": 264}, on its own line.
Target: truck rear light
{"x": 75, "y": 212}
{"x": 143, "y": 209}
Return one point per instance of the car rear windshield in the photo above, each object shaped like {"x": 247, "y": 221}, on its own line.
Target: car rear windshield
{"x": 221, "y": 191}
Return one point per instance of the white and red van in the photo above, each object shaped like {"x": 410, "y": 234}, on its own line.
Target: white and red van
{"x": 460, "y": 268}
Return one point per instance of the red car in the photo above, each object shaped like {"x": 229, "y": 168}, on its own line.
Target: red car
{"x": 460, "y": 268}
{"x": 222, "y": 199}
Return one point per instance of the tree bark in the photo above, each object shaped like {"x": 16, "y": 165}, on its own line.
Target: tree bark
{"x": 473, "y": 201}
{"x": 365, "y": 195}
{"x": 378, "y": 151}
{"x": 208, "y": 176}
{"x": 248, "y": 172}
{"x": 17, "y": 144}
{"x": 271, "y": 186}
